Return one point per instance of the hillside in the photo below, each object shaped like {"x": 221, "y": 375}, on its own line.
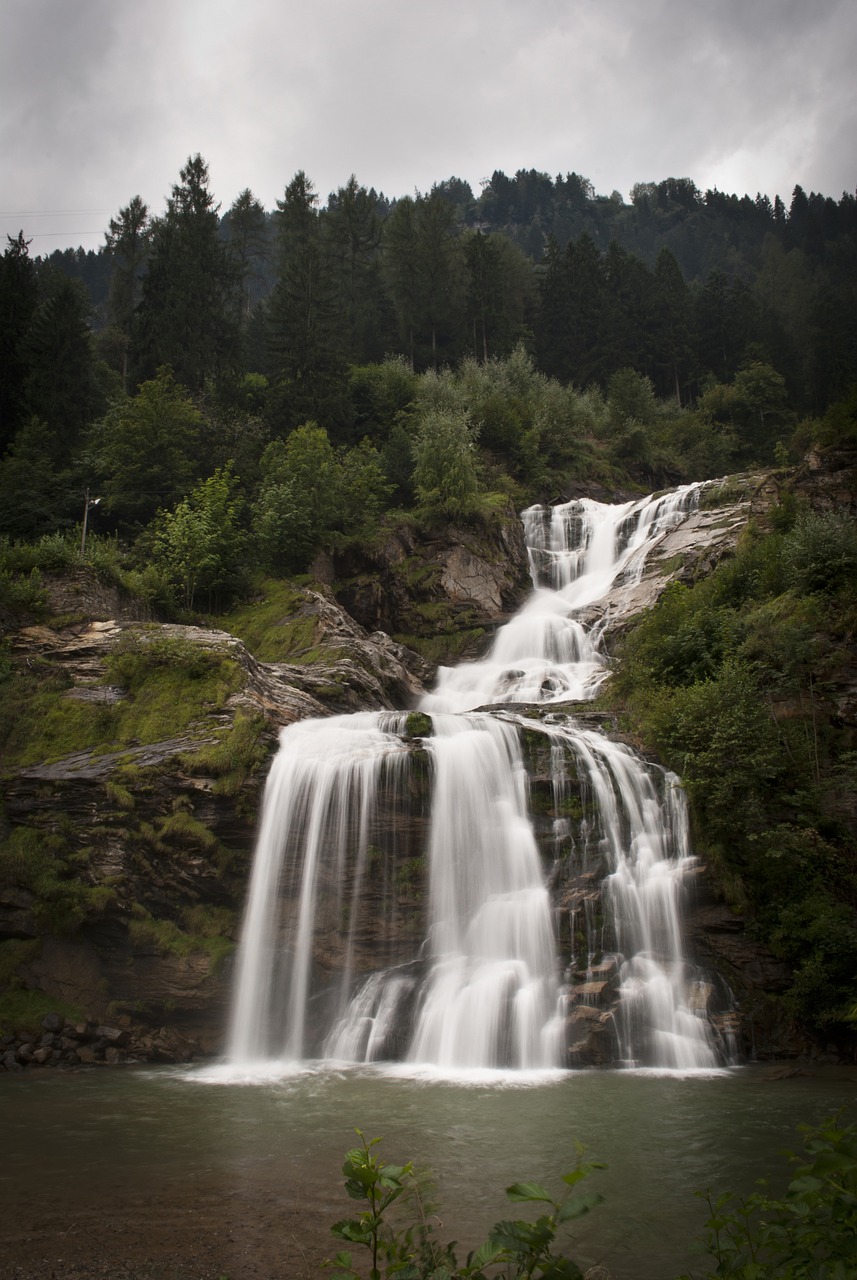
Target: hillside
{"x": 135, "y": 752}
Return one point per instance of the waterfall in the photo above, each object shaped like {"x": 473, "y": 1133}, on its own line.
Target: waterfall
{"x": 399, "y": 906}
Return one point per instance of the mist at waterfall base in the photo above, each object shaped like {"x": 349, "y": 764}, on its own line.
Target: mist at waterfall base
{"x": 386, "y": 927}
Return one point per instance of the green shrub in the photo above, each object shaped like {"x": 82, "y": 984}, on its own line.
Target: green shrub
{"x": 727, "y": 681}
{"x": 820, "y": 552}
{"x": 808, "y": 1234}
{"x": 26, "y": 592}
{"x": 235, "y": 757}
{"x": 411, "y": 1252}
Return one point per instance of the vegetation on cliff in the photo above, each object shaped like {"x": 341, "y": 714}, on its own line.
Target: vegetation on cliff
{"x": 741, "y": 683}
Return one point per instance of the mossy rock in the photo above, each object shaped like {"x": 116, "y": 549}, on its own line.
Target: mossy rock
{"x": 419, "y": 725}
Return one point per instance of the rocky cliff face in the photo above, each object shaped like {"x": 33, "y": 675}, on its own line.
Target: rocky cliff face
{"x": 442, "y": 594}
{"x": 123, "y": 865}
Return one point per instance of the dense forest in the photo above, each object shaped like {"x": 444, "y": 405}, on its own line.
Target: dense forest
{"x": 681, "y": 335}
{"x": 216, "y": 396}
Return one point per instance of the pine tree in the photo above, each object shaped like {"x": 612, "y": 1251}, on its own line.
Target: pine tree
{"x": 354, "y": 235}
{"x": 304, "y": 321}
{"x": 127, "y": 242}
{"x": 18, "y": 300}
{"x": 247, "y": 230}
{"x": 61, "y": 385}
{"x": 402, "y": 271}
{"x": 187, "y": 313}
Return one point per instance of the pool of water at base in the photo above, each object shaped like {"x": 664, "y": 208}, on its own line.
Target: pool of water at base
{"x": 94, "y": 1141}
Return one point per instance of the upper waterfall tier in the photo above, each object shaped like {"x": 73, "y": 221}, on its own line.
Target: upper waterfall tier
{"x": 580, "y": 552}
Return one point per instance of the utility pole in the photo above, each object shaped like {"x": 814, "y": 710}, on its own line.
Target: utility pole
{"x": 87, "y": 503}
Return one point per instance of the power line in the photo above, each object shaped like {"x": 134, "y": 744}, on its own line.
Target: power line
{"x": 42, "y": 235}
{"x": 45, "y": 213}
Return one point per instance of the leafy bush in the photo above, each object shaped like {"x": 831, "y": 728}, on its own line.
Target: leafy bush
{"x": 23, "y": 592}
{"x": 48, "y": 865}
{"x": 411, "y": 1252}
{"x": 820, "y": 552}
{"x": 445, "y": 464}
{"x": 809, "y": 1234}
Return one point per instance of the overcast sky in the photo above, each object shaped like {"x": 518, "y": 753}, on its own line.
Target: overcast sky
{"x": 101, "y": 100}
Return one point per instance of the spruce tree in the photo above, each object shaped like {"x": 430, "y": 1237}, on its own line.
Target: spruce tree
{"x": 187, "y": 313}
{"x": 304, "y": 320}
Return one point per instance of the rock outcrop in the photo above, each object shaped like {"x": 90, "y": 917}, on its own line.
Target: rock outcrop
{"x": 441, "y": 593}
{"x": 124, "y": 909}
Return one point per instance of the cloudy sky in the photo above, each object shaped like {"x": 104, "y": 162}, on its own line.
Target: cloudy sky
{"x": 101, "y": 100}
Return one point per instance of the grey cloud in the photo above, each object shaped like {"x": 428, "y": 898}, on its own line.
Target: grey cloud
{"x": 104, "y": 100}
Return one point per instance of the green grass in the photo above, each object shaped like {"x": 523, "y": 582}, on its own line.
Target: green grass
{"x": 273, "y": 627}
{"x": 22, "y": 1010}
{"x": 234, "y": 758}
{"x": 49, "y": 866}
{"x": 204, "y": 933}
{"x": 445, "y": 648}
{"x": 169, "y": 684}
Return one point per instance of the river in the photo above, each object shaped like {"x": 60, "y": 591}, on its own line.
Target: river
{"x": 185, "y": 1173}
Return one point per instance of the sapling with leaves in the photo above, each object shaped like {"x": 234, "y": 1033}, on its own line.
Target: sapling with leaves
{"x": 516, "y": 1249}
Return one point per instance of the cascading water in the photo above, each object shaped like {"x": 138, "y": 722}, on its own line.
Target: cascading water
{"x": 398, "y": 906}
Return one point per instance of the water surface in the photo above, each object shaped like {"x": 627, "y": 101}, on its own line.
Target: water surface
{"x": 148, "y": 1163}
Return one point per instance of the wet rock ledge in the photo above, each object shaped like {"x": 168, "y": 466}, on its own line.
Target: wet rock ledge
{"x": 74, "y": 1044}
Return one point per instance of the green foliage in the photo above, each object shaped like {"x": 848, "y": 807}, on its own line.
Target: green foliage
{"x": 630, "y": 398}
{"x": 34, "y": 490}
{"x": 279, "y": 624}
{"x": 199, "y": 545}
{"x": 48, "y": 864}
{"x": 298, "y": 498}
{"x": 362, "y": 490}
{"x": 726, "y": 679}
{"x": 23, "y": 566}
{"x": 810, "y": 1233}
{"x": 169, "y": 683}
{"x": 820, "y": 553}
{"x": 445, "y": 466}
{"x": 709, "y": 723}
{"x": 187, "y": 315}
{"x": 22, "y": 1008}
{"x": 205, "y": 933}
{"x": 311, "y": 494}
{"x": 24, "y": 593}
{"x": 235, "y": 757}
{"x": 51, "y": 553}
{"x": 145, "y": 449}
{"x": 518, "y": 1249}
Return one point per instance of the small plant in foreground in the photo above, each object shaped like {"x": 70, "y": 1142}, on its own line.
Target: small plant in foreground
{"x": 516, "y": 1249}
{"x": 810, "y": 1234}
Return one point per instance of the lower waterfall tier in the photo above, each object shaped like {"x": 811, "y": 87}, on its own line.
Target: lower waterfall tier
{"x": 400, "y": 911}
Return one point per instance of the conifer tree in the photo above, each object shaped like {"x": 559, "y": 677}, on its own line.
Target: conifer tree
{"x": 187, "y": 313}
{"x": 354, "y": 233}
{"x": 402, "y": 270}
{"x": 247, "y": 229}
{"x": 18, "y": 300}
{"x": 127, "y": 242}
{"x": 308, "y": 369}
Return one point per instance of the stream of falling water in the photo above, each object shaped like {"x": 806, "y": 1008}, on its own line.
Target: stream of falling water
{"x": 399, "y": 907}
